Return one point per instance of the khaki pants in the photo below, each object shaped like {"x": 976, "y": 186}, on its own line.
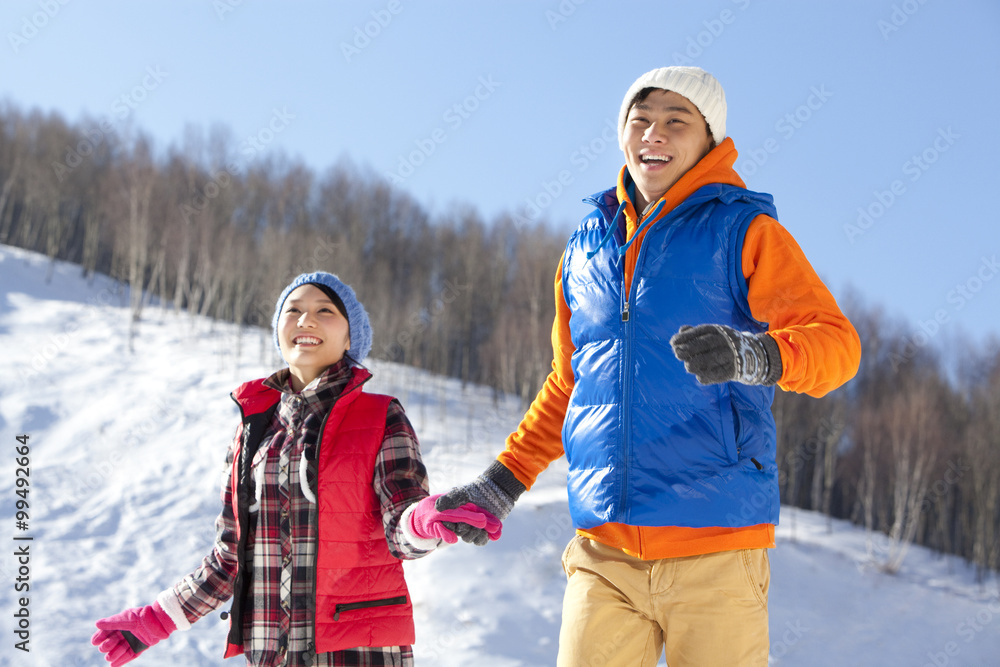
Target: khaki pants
{"x": 705, "y": 610}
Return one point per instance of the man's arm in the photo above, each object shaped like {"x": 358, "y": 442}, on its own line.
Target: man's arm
{"x": 538, "y": 439}
{"x": 820, "y": 349}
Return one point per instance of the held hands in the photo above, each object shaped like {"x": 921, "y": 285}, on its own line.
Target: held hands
{"x": 124, "y": 636}
{"x": 428, "y": 522}
{"x": 716, "y": 353}
{"x": 495, "y": 492}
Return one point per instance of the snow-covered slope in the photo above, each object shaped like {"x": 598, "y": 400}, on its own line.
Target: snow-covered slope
{"x": 126, "y": 451}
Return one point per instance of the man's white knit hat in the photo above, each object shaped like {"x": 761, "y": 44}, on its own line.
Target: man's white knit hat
{"x": 694, "y": 83}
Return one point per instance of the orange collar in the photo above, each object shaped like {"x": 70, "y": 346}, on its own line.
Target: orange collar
{"x": 715, "y": 167}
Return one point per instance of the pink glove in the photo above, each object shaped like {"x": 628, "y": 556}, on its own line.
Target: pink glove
{"x": 147, "y": 624}
{"x": 428, "y": 522}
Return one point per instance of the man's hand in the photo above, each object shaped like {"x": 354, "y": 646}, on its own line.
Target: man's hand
{"x": 495, "y": 491}
{"x": 427, "y": 522}
{"x": 715, "y": 353}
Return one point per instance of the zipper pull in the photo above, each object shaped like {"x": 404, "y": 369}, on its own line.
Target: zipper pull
{"x": 625, "y": 313}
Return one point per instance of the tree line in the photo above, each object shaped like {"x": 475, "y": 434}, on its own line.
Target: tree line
{"x": 908, "y": 449}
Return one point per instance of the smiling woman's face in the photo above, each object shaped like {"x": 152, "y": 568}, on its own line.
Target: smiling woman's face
{"x": 312, "y": 334}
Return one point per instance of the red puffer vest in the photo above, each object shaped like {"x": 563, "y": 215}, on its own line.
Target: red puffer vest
{"x": 361, "y": 596}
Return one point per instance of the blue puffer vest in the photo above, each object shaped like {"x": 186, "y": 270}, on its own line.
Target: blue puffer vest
{"x": 647, "y": 445}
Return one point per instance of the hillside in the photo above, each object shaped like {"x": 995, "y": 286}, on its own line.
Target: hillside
{"x": 126, "y": 450}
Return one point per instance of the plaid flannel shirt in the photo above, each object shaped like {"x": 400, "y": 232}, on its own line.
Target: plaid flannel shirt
{"x": 278, "y": 628}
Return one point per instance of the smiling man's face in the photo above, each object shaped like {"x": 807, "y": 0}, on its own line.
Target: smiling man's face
{"x": 665, "y": 135}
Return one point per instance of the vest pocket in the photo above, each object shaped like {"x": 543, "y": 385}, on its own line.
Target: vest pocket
{"x": 366, "y": 604}
{"x": 731, "y": 427}
{"x": 737, "y": 429}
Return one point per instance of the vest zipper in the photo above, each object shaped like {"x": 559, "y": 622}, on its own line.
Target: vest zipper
{"x": 319, "y": 442}
{"x": 629, "y": 295}
{"x": 315, "y": 563}
{"x": 366, "y": 604}
{"x": 626, "y": 394}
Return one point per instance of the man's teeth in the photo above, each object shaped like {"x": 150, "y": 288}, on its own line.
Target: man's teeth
{"x": 656, "y": 158}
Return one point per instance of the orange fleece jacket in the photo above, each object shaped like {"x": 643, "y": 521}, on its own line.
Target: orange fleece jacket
{"x": 820, "y": 350}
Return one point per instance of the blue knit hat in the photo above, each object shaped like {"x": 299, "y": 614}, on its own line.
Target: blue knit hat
{"x": 357, "y": 319}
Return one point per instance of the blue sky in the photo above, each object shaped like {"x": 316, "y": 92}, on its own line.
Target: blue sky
{"x": 872, "y": 123}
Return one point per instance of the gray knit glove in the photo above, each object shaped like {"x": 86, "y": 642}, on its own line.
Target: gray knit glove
{"x": 716, "y": 353}
{"x": 495, "y": 491}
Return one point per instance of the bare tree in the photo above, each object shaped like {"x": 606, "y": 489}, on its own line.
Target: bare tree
{"x": 983, "y": 478}
{"x": 911, "y": 430}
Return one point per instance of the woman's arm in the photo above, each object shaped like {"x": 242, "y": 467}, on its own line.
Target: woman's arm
{"x": 211, "y": 585}
{"x": 400, "y": 481}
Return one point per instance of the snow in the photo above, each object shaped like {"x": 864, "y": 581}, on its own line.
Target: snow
{"x": 126, "y": 452}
